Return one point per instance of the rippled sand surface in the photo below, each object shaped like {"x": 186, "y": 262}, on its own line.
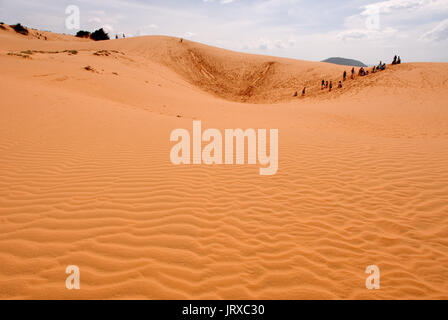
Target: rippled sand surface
{"x": 86, "y": 178}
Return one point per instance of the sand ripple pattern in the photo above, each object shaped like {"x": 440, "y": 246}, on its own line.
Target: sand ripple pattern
{"x": 85, "y": 179}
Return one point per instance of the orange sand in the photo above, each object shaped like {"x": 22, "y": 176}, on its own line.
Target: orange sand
{"x": 86, "y": 179}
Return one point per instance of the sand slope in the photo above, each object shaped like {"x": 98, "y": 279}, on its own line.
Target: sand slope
{"x": 85, "y": 175}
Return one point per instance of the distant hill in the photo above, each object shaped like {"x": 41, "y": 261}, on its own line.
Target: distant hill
{"x": 345, "y": 62}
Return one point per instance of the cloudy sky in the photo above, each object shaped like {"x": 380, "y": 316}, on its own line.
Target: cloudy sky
{"x": 311, "y": 30}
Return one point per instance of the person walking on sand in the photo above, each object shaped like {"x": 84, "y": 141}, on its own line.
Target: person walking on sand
{"x": 331, "y": 85}
{"x": 322, "y": 86}
{"x": 340, "y": 85}
{"x": 345, "y": 75}
{"x": 303, "y": 91}
{"x": 326, "y": 85}
{"x": 353, "y": 73}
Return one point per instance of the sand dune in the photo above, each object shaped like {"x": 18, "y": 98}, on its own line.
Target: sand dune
{"x": 86, "y": 177}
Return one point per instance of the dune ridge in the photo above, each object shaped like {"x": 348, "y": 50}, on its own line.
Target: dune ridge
{"x": 86, "y": 177}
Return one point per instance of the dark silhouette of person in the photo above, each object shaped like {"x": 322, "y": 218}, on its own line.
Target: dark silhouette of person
{"x": 362, "y": 72}
{"x": 345, "y": 75}
{"x": 331, "y": 85}
{"x": 303, "y": 91}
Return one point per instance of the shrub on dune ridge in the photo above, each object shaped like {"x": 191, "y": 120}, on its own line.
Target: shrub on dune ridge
{"x": 20, "y": 29}
{"x": 83, "y": 34}
{"x": 99, "y": 35}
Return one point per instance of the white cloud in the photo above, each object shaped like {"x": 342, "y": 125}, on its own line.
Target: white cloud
{"x": 108, "y": 28}
{"x": 398, "y": 18}
{"x": 221, "y": 1}
{"x": 407, "y": 9}
{"x": 268, "y": 44}
{"x": 438, "y": 33}
{"x": 147, "y": 30}
{"x": 95, "y": 19}
{"x": 189, "y": 34}
{"x": 366, "y": 34}
{"x": 391, "y": 5}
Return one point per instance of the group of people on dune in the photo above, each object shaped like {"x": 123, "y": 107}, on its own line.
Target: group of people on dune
{"x": 361, "y": 73}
